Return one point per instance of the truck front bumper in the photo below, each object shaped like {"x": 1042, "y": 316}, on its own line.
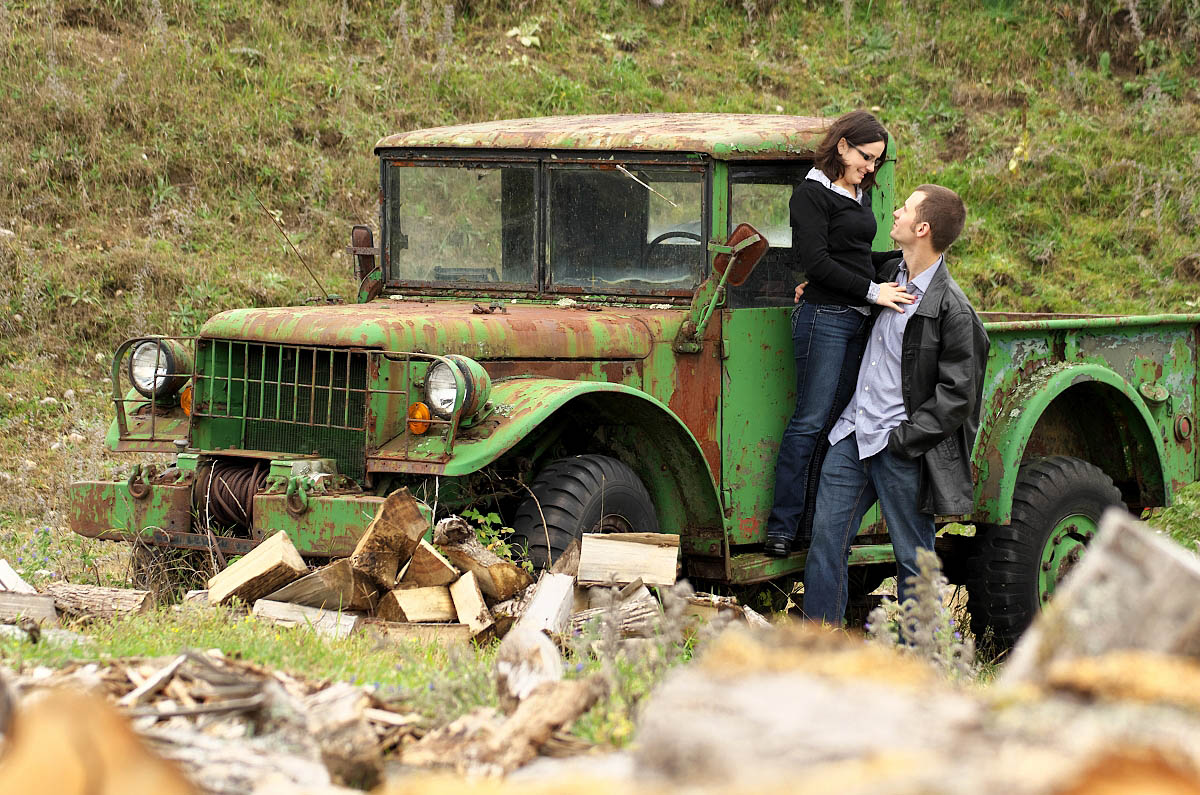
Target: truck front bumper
{"x": 162, "y": 515}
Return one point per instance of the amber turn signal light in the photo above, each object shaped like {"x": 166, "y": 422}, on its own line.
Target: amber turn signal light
{"x": 418, "y": 418}
{"x": 185, "y": 400}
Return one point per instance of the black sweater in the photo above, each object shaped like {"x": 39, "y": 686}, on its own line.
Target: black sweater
{"x": 831, "y": 235}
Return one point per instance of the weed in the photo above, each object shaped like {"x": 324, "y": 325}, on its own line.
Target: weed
{"x": 633, "y": 666}
{"x": 492, "y": 533}
{"x": 923, "y": 625}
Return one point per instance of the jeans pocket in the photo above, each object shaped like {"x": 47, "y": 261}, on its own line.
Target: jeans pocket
{"x": 832, "y": 309}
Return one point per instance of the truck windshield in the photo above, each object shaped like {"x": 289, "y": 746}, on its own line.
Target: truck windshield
{"x": 626, "y": 228}
{"x": 574, "y": 227}
{"x": 457, "y": 222}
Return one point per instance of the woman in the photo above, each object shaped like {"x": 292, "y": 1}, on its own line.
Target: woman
{"x": 832, "y": 231}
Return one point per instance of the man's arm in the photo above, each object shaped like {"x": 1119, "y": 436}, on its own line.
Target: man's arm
{"x": 951, "y": 402}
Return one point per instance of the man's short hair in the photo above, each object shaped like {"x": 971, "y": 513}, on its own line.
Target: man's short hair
{"x": 945, "y": 213}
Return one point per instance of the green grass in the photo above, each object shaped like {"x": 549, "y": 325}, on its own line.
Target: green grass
{"x": 441, "y": 683}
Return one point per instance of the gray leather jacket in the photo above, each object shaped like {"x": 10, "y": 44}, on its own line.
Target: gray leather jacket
{"x": 944, "y": 355}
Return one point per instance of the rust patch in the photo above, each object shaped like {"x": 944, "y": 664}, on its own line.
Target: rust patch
{"x": 721, "y": 134}
{"x": 696, "y": 395}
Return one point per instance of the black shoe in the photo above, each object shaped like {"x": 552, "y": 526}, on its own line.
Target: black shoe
{"x": 778, "y": 547}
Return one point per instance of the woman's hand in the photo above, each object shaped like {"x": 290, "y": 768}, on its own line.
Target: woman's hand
{"x": 891, "y": 294}
{"x": 799, "y": 292}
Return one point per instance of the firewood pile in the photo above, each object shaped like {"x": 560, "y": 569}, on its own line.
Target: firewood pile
{"x": 229, "y": 723}
{"x": 232, "y": 725}
{"x": 398, "y": 586}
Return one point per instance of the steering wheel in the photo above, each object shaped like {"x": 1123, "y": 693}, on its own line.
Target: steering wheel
{"x": 668, "y": 235}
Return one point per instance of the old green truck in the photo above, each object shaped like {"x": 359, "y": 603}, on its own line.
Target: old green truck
{"x": 566, "y": 323}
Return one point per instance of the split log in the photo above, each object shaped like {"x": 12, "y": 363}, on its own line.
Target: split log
{"x": 607, "y": 595}
{"x": 441, "y": 634}
{"x": 755, "y": 619}
{"x": 236, "y": 766}
{"x": 605, "y": 559}
{"x": 526, "y": 659}
{"x": 330, "y": 623}
{"x": 428, "y": 567}
{"x": 263, "y": 570}
{"x": 97, "y": 602}
{"x": 1133, "y": 589}
{"x": 152, "y": 685}
{"x": 390, "y": 539}
{"x": 568, "y": 561}
{"x": 498, "y": 578}
{"x": 637, "y": 618}
{"x": 479, "y": 743}
{"x": 11, "y": 581}
{"x": 508, "y": 612}
{"x": 336, "y": 586}
{"x": 196, "y": 596}
{"x": 550, "y": 608}
{"x": 414, "y": 605}
{"x": 37, "y": 606}
{"x": 469, "y": 604}
{"x": 348, "y": 743}
{"x": 706, "y": 607}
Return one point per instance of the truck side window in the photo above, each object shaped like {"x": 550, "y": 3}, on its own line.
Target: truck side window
{"x": 760, "y": 195}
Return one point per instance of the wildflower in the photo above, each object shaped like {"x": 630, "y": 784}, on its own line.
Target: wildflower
{"x": 578, "y": 667}
{"x": 431, "y": 685}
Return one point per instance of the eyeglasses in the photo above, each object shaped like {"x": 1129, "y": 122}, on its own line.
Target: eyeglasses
{"x": 878, "y": 161}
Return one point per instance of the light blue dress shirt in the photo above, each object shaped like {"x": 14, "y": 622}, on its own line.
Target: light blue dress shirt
{"x": 877, "y": 406}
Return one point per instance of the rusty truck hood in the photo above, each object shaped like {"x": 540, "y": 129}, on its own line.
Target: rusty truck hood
{"x": 523, "y": 331}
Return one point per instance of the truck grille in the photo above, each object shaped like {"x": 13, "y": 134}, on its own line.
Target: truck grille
{"x": 290, "y": 399}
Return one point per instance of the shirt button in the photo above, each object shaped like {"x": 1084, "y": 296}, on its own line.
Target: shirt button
{"x": 872, "y": 364}
{"x": 860, "y": 411}
{"x": 867, "y": 388}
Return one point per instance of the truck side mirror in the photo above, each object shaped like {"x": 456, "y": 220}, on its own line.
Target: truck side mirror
{"x": 366, "y": 267}
{"x": 743, "y": 250}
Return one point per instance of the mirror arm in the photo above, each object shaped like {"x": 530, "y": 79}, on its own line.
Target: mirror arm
{"x": 719, "y": 295}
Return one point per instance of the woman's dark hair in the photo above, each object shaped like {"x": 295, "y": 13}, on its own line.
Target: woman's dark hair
{"x": 858, "y": 128}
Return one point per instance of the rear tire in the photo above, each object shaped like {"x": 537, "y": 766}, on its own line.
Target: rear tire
{"x": 1014, "y": 568}
{"x": 583, "y": 494}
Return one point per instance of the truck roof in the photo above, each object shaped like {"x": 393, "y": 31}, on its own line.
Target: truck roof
{"x": 725, "y": 136}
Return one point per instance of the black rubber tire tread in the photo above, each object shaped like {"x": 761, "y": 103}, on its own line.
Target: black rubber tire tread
{"x": 1002, "y": 571}
{"x": 571, "y": 493}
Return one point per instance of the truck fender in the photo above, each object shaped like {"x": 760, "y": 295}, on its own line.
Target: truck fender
{"x": 1005, "y": 435}
{"x": 648, "y": 436}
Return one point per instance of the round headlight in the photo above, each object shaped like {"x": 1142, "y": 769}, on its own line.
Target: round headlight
{"x": 159, "y": 368}
{"x": 441, "y": 389}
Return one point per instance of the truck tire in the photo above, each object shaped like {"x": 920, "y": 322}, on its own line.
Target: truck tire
{"x": 1014, "y": 568}
{"x": 582, "y": 494}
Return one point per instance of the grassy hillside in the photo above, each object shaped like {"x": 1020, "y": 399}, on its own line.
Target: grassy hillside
{"x": 137, "y": 138}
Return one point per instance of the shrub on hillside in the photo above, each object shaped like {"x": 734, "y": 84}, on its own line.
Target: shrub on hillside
{"x": 1137, "y": 33}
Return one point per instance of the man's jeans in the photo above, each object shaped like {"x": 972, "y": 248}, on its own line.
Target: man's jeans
{"x": 849, "y": 487}
{"x": 828, "y": 341}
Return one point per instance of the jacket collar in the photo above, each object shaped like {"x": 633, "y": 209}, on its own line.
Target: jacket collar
{"x": 931, "y": 301}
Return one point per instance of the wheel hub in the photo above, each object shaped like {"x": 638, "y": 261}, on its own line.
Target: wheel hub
{"x": 1063, "y": 550}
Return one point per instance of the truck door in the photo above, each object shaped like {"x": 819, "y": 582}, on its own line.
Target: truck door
{"x": 758, "y": 381}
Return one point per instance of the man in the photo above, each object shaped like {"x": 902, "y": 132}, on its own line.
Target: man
{"x": 906, "y": 436}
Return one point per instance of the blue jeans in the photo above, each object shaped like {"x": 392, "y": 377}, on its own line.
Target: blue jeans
{"x": 828, "y": 341}
{"x": 849, "y": 487}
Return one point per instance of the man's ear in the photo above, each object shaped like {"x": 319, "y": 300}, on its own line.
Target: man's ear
{"x": 923, "y": 229}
